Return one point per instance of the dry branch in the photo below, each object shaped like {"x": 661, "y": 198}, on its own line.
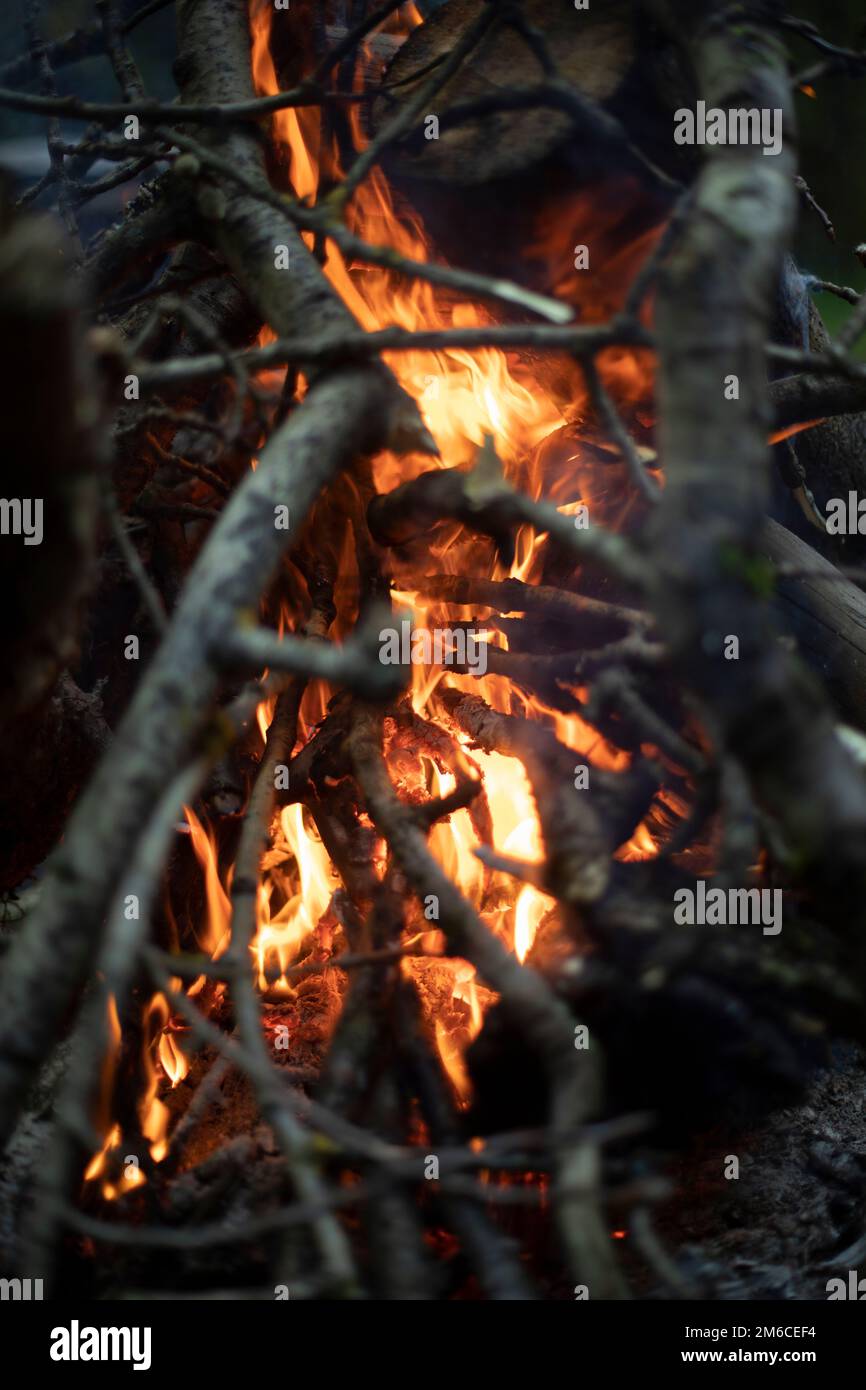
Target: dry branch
{"x": 484, "y": 501}
{"x": 581, "y": 828}
{"x": 248, "y": 226}
{"x": 173, "y": 709}
{"x": 547, "y": 1027}
{"x": 722, "y": 271}
{"x": 337, "y": 1263}
{"x": 580, "y": 339}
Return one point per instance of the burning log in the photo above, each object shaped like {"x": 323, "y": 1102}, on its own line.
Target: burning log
{"x": 593, "y": 58}
{"x": 581, "y": 833}
{"x": 404, "y": 514}
{"x": 331, "y": 1242}
{"x": 513, "y": 139}
{"x": 546, "y": 1027}
{"x": 481, "y": 498}
{"x": 513, "y": 596}
{"x": 489, "y": 1254}
{"x": 425, "y": 901}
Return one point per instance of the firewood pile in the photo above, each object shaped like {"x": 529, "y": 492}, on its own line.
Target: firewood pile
{"x": 434, "y": 815}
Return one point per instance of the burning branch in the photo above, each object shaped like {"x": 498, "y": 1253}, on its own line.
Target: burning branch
{"x": 547, "y": 1027}
{"x": 174, "y": 706}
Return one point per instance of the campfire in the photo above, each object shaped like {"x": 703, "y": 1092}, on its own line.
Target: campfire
{"x": 487, "y": 404}
{"x": 429, "y": 668}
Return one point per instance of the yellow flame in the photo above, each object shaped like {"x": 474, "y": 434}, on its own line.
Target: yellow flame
{"x": 278, "y": 937}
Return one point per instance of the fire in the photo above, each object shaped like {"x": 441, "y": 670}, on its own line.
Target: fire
{"x": 217, "y": 926}
{"x": 99, "y": 1162}
{"x": 152, "y": 1111}
{"x": 528, "y": 912}
{"x": 172, "y": 1060}
{"x": 640, "y": 846}
{"x": 451, "y": 1054}
{"x": 160, "y": 1056}
{"x": 131, "y": 1177}
{"x": 297, "y": 130}
{"x": 279, "y": 937}
{"x": 465, "y": 398}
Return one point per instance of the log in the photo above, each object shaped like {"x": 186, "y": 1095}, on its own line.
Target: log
{"x": 826, "y": 615}
{"x": 580, "y": 832}
{"x": 595, "y": 51}
{"x": 832, "y": 452}
{"x": 766, "y": 711}
{"x": 485, "y": 188}
{"x": 405, "y": 514}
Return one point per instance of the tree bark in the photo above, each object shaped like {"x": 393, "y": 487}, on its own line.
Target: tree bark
{"x": 713, "y": 313}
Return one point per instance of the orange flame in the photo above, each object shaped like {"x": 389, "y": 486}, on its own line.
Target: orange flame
{"x": 215, "y": 937}
{"x": 279, "y": 936}
{"x": 464, "y": 398}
